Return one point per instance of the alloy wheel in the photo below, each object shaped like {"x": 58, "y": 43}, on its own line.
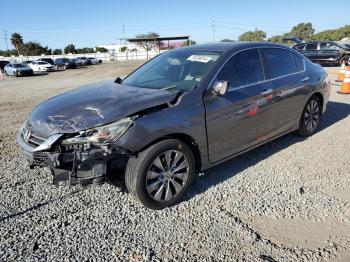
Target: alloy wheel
{"x": 167, "y": 175}
{"x": 311, "y": 116}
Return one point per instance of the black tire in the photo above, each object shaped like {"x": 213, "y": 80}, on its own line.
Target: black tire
{"x": 15, "y": 74}
{"x": 138, "y": 168}
{"x": 310, "y": 118}
{"x": 344, "y": 59}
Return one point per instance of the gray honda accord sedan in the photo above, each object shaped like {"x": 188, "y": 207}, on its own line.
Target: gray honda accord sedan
{"x": 178, "y": 114}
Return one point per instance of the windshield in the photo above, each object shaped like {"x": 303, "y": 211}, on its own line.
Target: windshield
{"x": 19, "y": 65}
{"x": 180, "y": 70}
{"x": 42, "y": 63}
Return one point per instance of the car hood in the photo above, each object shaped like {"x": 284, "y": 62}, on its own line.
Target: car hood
{"x": 94, "y": 105}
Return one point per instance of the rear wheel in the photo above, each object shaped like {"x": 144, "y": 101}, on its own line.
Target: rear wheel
{"x": 160, "y": 175}
{"x": 310, "y": 117}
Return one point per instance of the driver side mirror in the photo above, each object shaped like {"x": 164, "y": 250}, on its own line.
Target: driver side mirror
{"x": 220, "y": 88}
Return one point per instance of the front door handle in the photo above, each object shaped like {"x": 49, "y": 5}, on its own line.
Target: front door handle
{"x": 266, "y": 91}
{"x": 305, "y": 79}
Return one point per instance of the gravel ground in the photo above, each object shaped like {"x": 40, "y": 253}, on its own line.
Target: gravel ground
{"x": 285, "y": 201}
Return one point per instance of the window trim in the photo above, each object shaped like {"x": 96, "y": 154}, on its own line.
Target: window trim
{"x": 263, "y": 65}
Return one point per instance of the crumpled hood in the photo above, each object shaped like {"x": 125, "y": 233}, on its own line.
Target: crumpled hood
{"x": 94, "y": 105}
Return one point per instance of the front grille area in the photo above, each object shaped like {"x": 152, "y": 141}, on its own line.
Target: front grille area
{"x": 32, "y": 137}
{"x": 40, "y": 159}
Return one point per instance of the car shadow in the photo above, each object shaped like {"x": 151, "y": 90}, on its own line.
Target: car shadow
{"x": 335, "y": 112}
{"x": 39, "y": 205}
{"x": 40, "y": 74}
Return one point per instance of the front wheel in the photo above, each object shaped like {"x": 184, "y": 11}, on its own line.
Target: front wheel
{"x": 344, "y": 59}
{"x": 310, "y": 117}
{"x": 160, "y": 175}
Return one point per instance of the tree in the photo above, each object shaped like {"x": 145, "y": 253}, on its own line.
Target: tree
{"x": 188, "y": 42}
{"x": 276, "y": 39}
{"x": 57, "y": 52}
{"x": 8, "y": 53}
{"x": 34, "y": 49}
{"x": 101, "y": 49}
{"x": 147, "y": 45}
{"x": 17, "y": 41}
{"x": 256, "y": 36}
{"x": 304, "y": 31}
{"x": 69, "y": 49}
{"x": 227, "y": 40}
{"x": 84, "y": 50}
{"x": 333, "y": 35}
{"x": 123, "y": 49}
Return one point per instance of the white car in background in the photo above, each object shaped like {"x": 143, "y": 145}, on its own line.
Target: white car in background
{"x": 41, "y": 66}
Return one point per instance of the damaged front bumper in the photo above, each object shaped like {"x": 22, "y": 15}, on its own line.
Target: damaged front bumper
{"x": 76, "y": 165}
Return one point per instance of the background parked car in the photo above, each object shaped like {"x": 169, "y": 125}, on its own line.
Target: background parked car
{"x": 78, "y": 63}
{"x": 92, "y": 61}
{"x": 64, "y": 63}
{"x": 2, "y": 64}
{"x": 18, "y": 69}
{"x": 48, "y": 60}
{"x": 41, "y": 66}
{"x": 324, "y": 52}
{"x": 82, "y": 59}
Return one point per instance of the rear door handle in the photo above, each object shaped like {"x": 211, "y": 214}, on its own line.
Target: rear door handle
{"x": 266, "y": 91}
{"x": 305, "y": 79}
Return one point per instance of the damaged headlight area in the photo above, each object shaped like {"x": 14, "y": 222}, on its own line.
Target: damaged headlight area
{"x": 102, "y": 134}
{"x": 84, "y": 156}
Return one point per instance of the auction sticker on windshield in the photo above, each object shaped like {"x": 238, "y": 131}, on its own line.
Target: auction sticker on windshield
{"x": 199, "y": 58}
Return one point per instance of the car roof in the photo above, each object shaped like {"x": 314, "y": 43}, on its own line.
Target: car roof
{"x": 229, "y": 46}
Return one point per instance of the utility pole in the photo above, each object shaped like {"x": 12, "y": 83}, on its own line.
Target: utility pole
{"x": 213, "y": 28}
{"x": 5, "y": 38}
{"x": 124, "y": 34}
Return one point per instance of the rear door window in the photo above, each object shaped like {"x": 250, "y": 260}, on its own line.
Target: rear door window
{"x": 278, "y": 62}
{"x": 243, "y": 69}
{"x": 311, "y": 46}
{"x": 299, "y": 62}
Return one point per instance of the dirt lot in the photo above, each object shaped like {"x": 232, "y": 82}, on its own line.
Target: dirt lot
{"x": 286, "y": 201}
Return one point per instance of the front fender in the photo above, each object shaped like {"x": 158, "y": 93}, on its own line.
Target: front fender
{"x": 187, "y": 118}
